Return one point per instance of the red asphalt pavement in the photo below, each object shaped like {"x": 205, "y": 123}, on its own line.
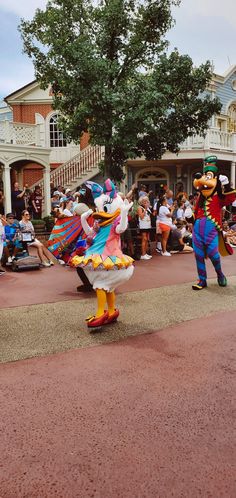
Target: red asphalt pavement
{"x": 148, "y": 417}
{"x": 151, "y": 416}
{"x": 58, "y": 283}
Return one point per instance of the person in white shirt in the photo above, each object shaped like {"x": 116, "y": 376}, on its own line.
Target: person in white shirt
{"x": 165, "y": 223}
{"x": 66, "y": 207}
{"x": 144, "y": 218}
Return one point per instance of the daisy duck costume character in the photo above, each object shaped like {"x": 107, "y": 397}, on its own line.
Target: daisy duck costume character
{"x": 208, "y": 241}
{"x": 103, "y": 262}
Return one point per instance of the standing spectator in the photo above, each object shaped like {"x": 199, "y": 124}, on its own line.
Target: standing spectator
{"x": 180, "y": 210}
{"x": 36, "y": 201}
{"x": 17, "y": 200}
{"x": 169, "y": 197}
{"x": 1, "y": 202}
{"x": 143, "y": 191}
{"x": 144, "y": 217}
{"x": 27, "y": 197}
{"x": 165, "y": 223}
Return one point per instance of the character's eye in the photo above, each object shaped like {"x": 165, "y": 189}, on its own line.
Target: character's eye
{"x": 209, "y": 175}
{"x": 107, "y": 207}
{"x": 198, "y": 175}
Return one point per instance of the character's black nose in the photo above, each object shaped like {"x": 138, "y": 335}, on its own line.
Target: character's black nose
{"x": 198, "y": 175}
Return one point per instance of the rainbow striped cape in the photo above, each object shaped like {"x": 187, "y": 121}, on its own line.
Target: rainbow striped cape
{"x": 64, "y": 235}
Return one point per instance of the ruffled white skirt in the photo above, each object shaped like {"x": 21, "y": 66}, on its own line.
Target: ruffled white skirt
{"x": 108, "y": 280}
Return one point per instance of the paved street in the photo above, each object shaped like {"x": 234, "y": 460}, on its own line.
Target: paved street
{"x": 144, "y": 408}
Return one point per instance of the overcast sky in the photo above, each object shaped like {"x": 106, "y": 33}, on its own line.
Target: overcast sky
{"x": 205, "y": 29}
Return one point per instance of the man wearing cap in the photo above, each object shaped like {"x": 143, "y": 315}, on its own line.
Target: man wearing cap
{"x": 11, "y": 244}
{"x": 207, "y": 235}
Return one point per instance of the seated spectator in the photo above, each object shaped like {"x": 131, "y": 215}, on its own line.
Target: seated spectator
{"x": 229, "y": 233}
{"x": 176, "y": 241}
{"x": 55, "y": 200}
{"x": 27, "y": 230}
{"x": 69, "y": 194}
{"x": 2, "y": 238}
{"x": 66, "y": 206}
{"x": 12, "y": 243}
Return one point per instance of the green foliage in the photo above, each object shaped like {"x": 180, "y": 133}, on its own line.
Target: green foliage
{"x": 111, "y": 76}
{"x": 49, "y": 222}
{"x": 37, "y": 223}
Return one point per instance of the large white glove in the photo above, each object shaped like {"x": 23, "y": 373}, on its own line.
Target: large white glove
{"x": 87, "y": 229}
{"x": 124, "y": 216}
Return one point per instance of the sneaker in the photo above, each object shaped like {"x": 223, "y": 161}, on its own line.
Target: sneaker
{"x": 174, "y": 252}
{"x": 145, "y": 257}
{"x": 61, "y": 262}
{"x": 148, "y": 255}
{"x": 158, "y": 250}
{"x": 51, "y": 263}
{"x": 166, "y": 253}
{"x": 44, "y": 263}
{"x": 9, "y": 260}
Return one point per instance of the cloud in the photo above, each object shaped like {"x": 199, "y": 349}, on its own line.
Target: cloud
{"x": 205, "y": 30}
{"x": 191, "y": 9}
{"x": 22, "y": 8}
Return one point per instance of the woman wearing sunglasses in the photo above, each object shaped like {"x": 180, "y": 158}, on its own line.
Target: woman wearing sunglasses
{"x": 28, "y": 235}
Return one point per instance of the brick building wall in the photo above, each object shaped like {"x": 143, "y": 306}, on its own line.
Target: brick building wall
{"x": 23, "y": 113}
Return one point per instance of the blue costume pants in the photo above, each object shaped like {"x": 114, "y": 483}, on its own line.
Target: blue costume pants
{"x": 205, "y": 244}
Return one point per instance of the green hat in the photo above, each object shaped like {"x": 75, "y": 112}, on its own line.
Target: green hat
{"x": 210, "y": 164}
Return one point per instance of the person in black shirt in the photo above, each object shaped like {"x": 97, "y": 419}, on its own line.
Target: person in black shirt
{"x": 17, "y": 200}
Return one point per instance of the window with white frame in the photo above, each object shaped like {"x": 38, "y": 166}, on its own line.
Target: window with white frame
{"x": 56, "y": 136}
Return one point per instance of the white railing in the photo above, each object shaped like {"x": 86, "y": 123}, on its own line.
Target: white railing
{"x": 214, "y": 139}
{"x": 76, "y": 168}
{"x": 19, "y": 133}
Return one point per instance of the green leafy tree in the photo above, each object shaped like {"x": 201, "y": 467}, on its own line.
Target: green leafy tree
{"x": 112, "y": 76}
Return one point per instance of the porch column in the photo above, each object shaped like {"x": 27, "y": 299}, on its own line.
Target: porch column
{"x": 47, "y": 192}
{"x": 7, "y": 187}
{"x": 232, "y": 174}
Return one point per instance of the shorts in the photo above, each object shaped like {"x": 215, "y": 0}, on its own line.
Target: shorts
{"x": 144, "y": 230}
{"x": 164, "y": 228}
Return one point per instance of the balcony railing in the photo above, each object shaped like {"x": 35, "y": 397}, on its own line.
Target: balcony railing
{"x": 19, "y": 133}
{"x": 214, "y": 139}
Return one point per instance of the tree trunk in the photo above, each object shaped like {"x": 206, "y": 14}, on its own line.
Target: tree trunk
{"x": 107, "y": 161}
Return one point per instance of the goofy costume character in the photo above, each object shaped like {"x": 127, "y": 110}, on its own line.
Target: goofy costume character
{"x": 207, "y": 236}
{"x": 103, "y": 262}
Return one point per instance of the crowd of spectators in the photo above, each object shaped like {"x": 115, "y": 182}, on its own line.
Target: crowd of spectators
{"x": 161, "y": 219}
